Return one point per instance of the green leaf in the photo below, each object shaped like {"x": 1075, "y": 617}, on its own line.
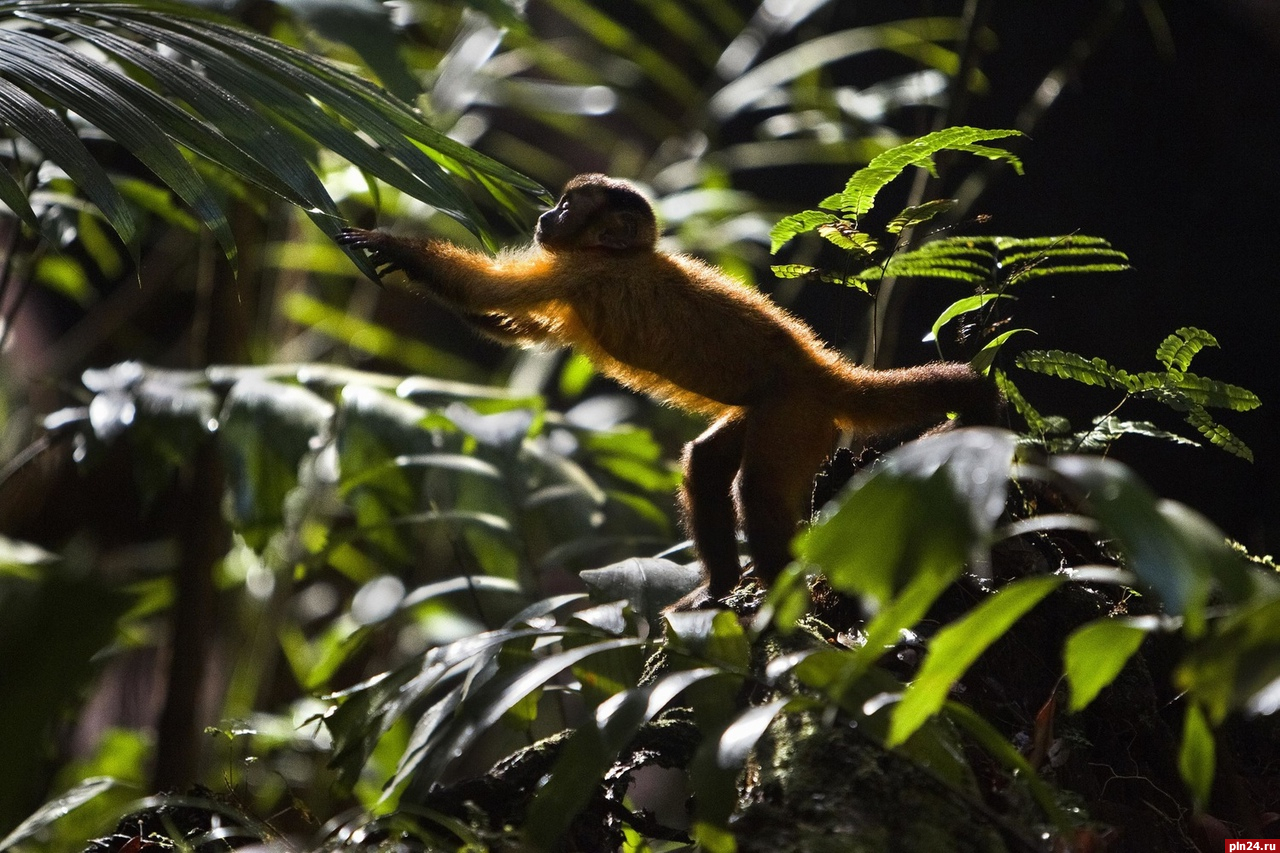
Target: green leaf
{"x": 1068, "y": 365}
{"x": 1106, "y": 430}
{"x": 932, "y": 503}
{"x": 34, "y": 121}
{"x": 1155, "y": 547}
{"x": 860, "y": 192}
{"x": 1210, "y": 392}
{"x": 792, "y": 270}
{"x": 796, "y": 224}
{"x": 1196, "y": 757}
{"x": 480, "y": 710}
{"x": 649, "y": 585}
{"x": 713, "y": 773}
{"x": 964, "y": 306}
{"x": 593, "y": 747}
{"x": 957, "y": 646}
{"x": 1097, "y": 651}
{"x": 56, "y": 809}
{"x": 1217, "y": 434}
{"x": 713, "y": 635}
{"x": 1177, "y": 350}
{"x": 130, "y": 113}
{"x": 848, "y": 237}
{"x": 1036, "y": 422}
{"x": 987, "y": 355}
{"x": 914, "y": 215}
{"x": 1004, "y": 752}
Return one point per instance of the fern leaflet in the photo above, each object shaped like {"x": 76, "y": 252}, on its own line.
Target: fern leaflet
{"x": 1068, "y": 365}
{"x": 1177, "y": 350}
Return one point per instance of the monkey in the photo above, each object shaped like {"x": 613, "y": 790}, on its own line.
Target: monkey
{"x": 685, "y": 333}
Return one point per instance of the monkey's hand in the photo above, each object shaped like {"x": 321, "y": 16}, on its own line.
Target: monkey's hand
{"x": 380, "y": 246}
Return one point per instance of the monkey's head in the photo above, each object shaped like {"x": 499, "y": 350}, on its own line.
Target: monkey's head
{"x": 596, "y": 211}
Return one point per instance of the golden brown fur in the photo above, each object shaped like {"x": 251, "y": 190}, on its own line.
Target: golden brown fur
{"x": 682, "y": 331}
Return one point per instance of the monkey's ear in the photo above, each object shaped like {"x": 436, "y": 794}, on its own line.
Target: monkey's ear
{"x": 621, "y": 232}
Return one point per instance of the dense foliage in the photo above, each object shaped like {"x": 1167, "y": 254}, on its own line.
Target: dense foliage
{"x": 417, "y": 612}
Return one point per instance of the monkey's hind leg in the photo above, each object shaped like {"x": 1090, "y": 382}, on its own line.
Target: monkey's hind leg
{"x": 711, "y": 463}
{"x": 784, "y": 446}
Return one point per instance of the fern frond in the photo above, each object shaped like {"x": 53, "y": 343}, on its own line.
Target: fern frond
{"x": 1112, "y": 428}
{"x": 798, "y": 223}
{"x": 792, "y": 270}
{"x": 1063, "y": 269}
{"x": 860, "y": 192}
{"x": 1006, "y": 245}
{"x": 1053, "y": 254}
{"x": 844, "y": 235}
{"x": 918, "y": 213}
{"x": 1203, "y": 391}
{"x": 1068, "y": 365}
{"x": 1036, "y": 422}
{"x": 1218, "y": 435}
{"x": 1177, "y": 350}
{"x": 956, "y": 269}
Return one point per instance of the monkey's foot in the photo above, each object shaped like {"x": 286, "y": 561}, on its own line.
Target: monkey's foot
{"x": 699, "y": 599}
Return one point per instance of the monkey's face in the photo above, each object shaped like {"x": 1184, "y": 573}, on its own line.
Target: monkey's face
{"x": 559, "y": 226}
{"x": 598, "y": 212}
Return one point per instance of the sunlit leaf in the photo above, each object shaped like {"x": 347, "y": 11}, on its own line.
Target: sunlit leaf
{"x": 1196, "y": 756}
{"x": 958, "y": 645}
{"x": 1096, "y": 652}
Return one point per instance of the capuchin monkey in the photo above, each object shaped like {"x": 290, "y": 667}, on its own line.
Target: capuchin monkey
{"x": 685, "y": 333}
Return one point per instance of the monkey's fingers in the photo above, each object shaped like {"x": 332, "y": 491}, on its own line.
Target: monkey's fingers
{"x": 357, "y": 238}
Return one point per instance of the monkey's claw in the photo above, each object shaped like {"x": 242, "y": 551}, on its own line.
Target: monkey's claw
{"x": 372, "y": 242}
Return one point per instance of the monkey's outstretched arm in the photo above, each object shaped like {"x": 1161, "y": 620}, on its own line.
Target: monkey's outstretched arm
{"x": 473, "y": 283}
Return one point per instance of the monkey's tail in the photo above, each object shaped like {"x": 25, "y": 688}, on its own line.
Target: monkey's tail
{"x": 882, "y": 401}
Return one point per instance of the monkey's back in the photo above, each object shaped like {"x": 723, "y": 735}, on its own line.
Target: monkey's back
{"x": 686, "y": 333}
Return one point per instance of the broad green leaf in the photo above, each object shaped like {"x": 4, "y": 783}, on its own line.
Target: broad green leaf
{"x": 964, "y": 306}
{"x": 1096, "y": 652}
{"x": 987, "y": 355}
{"x": 955, "y": 648}
{"x": 712, "y": 635}
{"x": 23, "y": 559}
{"x": 648, "y": 584}
{"x": 266, "y": 430}
{"x": 933, "y": 504}
{"x": 1237, "y": 660}
{"x": 1196, "y": 756}
{"x": 1155, "y": 548}
{"x": 1177, "y": 350}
